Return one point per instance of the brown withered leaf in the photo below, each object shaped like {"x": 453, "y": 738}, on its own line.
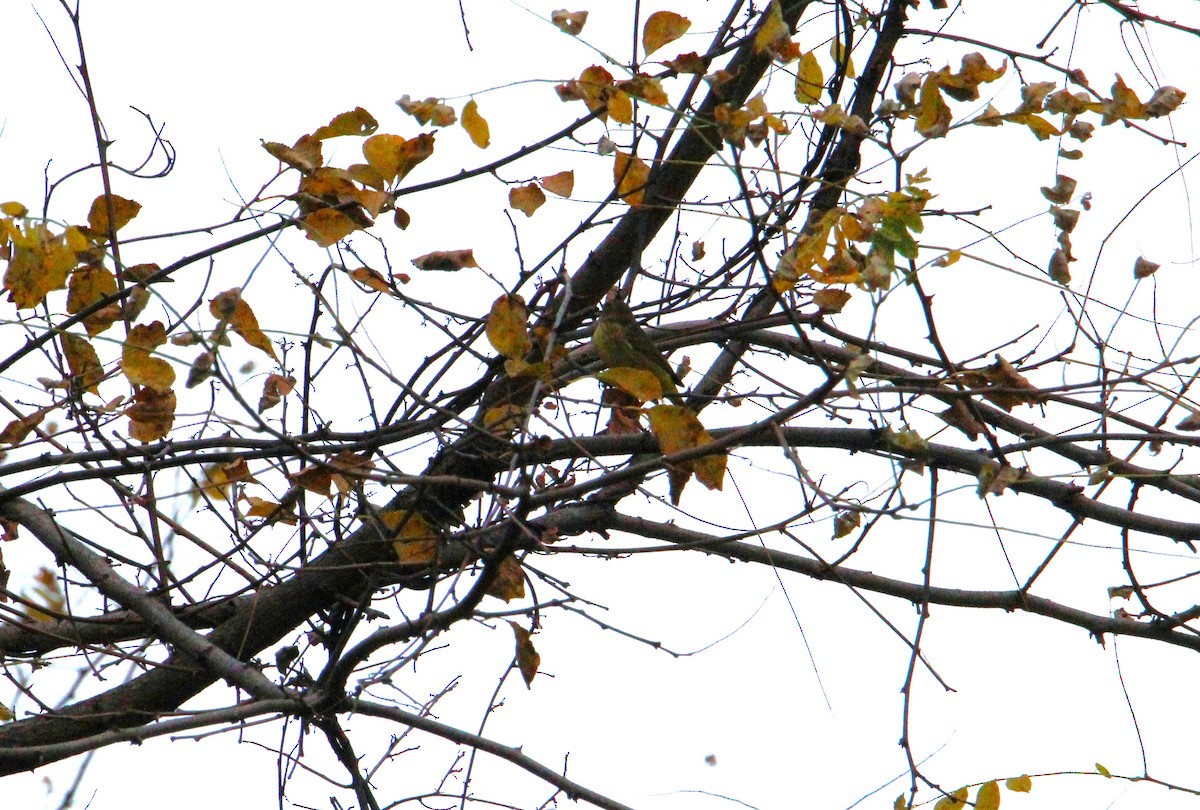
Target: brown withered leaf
{"x": 446, "y": 260}
{"x": 275, "y": 389}
{"x": 509, "y": 583}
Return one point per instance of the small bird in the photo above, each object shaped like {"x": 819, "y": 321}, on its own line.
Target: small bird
{"x": 620, "y": 342}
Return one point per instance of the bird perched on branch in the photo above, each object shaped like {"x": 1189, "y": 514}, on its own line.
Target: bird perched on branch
{"x": 621, "y": 343}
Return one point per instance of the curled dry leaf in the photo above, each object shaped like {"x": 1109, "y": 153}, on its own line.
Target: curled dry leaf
{"x": 1144, "y": 268}
{"x": 569, "y": 22}
{"x": 446, "y": 260}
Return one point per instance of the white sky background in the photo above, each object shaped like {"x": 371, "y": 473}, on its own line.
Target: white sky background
{"x": 637, "y": 724}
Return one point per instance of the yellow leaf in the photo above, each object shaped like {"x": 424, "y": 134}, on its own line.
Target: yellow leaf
{"x": 357, "y": 122}
{"x": 810, "y": 80}
{"x": 933, "y": 114}
{"x": 639, "y": 383}
{"x": 228, "y": 307}
{"x": 151, "y": 414}
{"x": 506, "y": 329}
{"x": 661, "y": 28}
{"x": 82, "y": 362}
{"x": 562, "y": 183}
{"x": 219, "y": 477}
{"x": 953, "y": 801}
{"x": 328, "y": 226}
{"x": 446, "y": 260}
{"x": 415, "y": 542}
{"x": 988, "y": 797}
{"x": 124, "y": 210}
{"x": 475, "y": 125}
{"x": 527, "y": 657}
{"x": 841, "y": 59}
{"x": 1100, "y": 769}
{"x": 950, "y": 258}
{"x": 620, "y": 107}
{"x": 1124, "y": 104}
{"x": 261, "y": 508}
{"x": 503, "y": 419}
{"x": 678, "y": 428}
{"x": 526, "y": 199}
{"x": 382, "y": 152}
{"x": 39, "y": 262}
{"x": 509, "y": 583}
{"x": 647, "y": 88}
{"x": 6, "y": 713}
{"x": 773, "y": 34}
{"x": 629, "y": 175}
{"x": 569, "y": 22}
{"x": 1019, "y": 784}
{"x": 137, "y": 363}
{"x": 87, "y": 286}
{"x": 13, "y": 209}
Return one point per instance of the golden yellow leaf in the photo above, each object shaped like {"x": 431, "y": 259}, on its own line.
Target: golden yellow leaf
{"x": 1124, "y": 104}
{"x": 933, "y": 114}
{"x": 475, "y": 125}
{"x": 262, "y": 508}
{"x": 124, "y": 210}
{"x": 414, "y": 541}
{"x": 228, "y": 307}
{"x": 357, "y": 122}
{"x": 138, "y": 364}
{"x": 639, "y": 383}
{"x": 810, "y": 80}
{"x": 305, "y": 156}
{"x": 620, "y": 107}
{"x": 382, "y": 152}
{"x": 569, "y": 22}
{"x": 13, "y": 209}
{"x": 429, "y": 111}
{"x": 647, "y": 88}
{"x": 677, "y": 429}
{"x": 954, "y": 801}
{"x": 503, "y": 419}
{"x": 988, "y": 797}
{"x": 151, "y": 414}
{"x": 629, "y": 175}
{"x": 773, "y": 34}
{"x": 562, "y": 183}
{"x": 39, "y": 262}
{"x": 219, "y": 477}
{"x": 661, "y": 28}
{"x": 446, "y": 260}
{"x": 506, "y": 326}
{"x": 82, "y": 362}
{"x": 414, "y": 151}
{"x": 87, "y": 286}
{"x": 1019, "y": 784}
{"x": 328, "y": 226}
{"x": 527, "y": 657}
{"x": 526, "y": 199}
{"x": 841, "y": 59}
{"x": 509, "y": 583}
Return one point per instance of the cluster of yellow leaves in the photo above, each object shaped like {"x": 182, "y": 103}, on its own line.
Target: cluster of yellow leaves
{"x": 752, "y": 121}
{"x": 885, "y": 222}
{"x": 986, "y": 798}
